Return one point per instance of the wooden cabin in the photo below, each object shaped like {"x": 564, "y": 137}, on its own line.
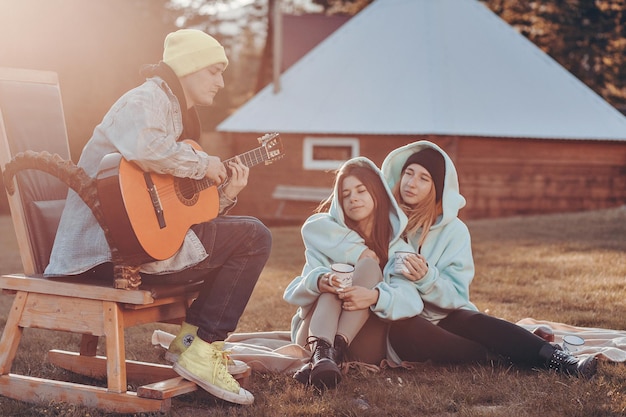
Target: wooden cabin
{"x": 526, "y": 135}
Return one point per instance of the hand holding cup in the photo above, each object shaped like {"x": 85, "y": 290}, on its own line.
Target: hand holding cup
{"x": 399, "y": 266}
{"x": 341, "y": 275}
{"x": 410, "y": 264}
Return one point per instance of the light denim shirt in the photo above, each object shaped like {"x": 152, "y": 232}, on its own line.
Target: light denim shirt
{"x": 143, "y": 126}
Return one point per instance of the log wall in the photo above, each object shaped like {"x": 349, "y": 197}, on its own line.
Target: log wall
{"x": 504, "y": 177}
{"x": 498, "y": 176}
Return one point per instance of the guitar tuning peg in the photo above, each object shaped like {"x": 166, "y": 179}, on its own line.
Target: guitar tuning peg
{"x": 263, "y": 138}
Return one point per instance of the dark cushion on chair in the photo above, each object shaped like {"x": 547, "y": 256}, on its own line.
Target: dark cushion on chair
{"x": 44, "y": 219}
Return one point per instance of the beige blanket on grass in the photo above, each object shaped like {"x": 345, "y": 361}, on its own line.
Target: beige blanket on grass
{"x": 273, "y": 352}
{"x": 606, "y": 344}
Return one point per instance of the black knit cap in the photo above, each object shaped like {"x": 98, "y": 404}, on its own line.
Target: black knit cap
{"x": 435, "y": 165}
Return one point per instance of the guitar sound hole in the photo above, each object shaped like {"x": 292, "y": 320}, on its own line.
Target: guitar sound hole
{"x": 186, "y": 191}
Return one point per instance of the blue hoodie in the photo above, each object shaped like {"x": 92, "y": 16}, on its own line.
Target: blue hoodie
{"x": 448, "y": 246}
{"x": 327, "y": 239}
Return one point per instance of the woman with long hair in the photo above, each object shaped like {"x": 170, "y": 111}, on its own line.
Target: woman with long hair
{"x": 329, "y": 318}
{"x": 450, "y": 328}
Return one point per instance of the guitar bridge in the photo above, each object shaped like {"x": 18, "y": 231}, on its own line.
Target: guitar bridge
{"x": 156, "y": 201}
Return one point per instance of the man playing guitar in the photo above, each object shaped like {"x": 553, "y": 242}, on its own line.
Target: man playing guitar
{"x": 149, "y": 127}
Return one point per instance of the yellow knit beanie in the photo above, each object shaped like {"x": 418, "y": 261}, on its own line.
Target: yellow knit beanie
{"x": 189, "y": 50}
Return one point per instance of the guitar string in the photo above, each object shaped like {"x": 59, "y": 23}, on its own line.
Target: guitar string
{"x": 189, "y": 186}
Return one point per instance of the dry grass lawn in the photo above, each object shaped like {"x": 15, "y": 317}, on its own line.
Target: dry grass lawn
{"x": 568, "y": 268}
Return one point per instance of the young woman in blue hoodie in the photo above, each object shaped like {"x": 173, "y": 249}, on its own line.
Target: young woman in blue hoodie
{"x": 329, "y": 318}
{"x": 450, "y": 328}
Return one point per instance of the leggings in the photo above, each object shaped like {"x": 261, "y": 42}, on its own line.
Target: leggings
{"x": 464, "y": 336}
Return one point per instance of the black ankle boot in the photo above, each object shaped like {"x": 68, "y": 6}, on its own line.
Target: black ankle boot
{"x": 562, "y": 361}
{"x": 341, "y": 349}
{"x": 325, "y": 372}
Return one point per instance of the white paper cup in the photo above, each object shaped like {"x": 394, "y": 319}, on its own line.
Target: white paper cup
{"x": 399, "y": 266}
{"x": 572, "y": 343}
{"x": 344, "y": 273}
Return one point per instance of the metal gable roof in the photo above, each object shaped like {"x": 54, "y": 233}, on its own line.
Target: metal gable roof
{"x": 449, "y": 67}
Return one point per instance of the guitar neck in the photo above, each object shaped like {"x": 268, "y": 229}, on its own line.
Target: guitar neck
{"x": 250, "y": 158}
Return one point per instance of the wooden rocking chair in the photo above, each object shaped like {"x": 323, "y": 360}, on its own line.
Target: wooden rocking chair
{"x": 33, "y": 138}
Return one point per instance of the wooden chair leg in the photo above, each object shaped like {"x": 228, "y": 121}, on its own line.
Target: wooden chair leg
{"x": 115, "y": 350}
{"x": 12, "y": 333}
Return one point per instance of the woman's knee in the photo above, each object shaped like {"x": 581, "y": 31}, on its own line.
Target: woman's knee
{"x": 367, "y": 273}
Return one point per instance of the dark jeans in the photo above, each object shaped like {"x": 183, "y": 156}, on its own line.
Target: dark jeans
{"x": 238, "y": 248}
{"x": 464, "y": 336}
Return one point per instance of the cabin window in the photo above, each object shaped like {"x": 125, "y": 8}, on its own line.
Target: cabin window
{"x": 328, "y": 153}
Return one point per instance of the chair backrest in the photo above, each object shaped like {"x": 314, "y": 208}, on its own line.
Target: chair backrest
{"x": 31, "y": 118}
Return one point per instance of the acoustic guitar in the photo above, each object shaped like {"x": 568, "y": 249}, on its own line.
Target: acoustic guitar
{"x": 148, "y": 214}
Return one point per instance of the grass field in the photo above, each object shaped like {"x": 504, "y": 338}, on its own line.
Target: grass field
{"x": 568, "y": 268}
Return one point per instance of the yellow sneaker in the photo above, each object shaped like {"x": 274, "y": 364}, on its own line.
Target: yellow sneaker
{"x": 181, "y": 342}
{"x": 205, "y": 365}
{"x": 234, "y": 366}
{"x": 185, "y": 337}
